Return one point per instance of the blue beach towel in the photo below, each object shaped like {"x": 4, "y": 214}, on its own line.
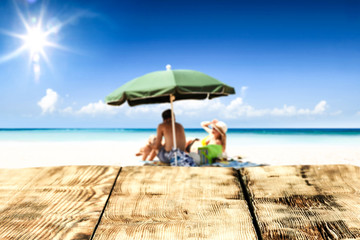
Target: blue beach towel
{"x": 233, "y": 164}
{"x": 183, "y": 159}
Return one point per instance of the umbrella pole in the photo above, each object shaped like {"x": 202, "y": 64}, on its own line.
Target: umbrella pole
{"x": 172, "y": 98}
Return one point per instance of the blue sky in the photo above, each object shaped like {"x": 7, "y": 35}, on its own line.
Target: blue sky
{"x": 292, "y": 63}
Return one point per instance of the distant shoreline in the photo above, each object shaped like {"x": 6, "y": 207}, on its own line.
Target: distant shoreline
{"x": 236, "y": 136}
{"x": 190, "y": 129}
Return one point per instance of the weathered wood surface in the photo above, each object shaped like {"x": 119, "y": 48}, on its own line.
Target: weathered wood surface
{"x": 53, "y": 203}
{"x": 306, "y": 202}
{"x": 176, "y": 203}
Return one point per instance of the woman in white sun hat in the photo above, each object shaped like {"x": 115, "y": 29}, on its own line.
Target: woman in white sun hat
{"x": 217, "y": 135}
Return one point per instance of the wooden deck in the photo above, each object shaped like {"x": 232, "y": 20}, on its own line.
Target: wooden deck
{"x": 53, "y": 203}
{"x": 104, "y": 202}
{"x": 306, "y": 202}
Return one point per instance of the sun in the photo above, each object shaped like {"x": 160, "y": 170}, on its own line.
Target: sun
{"x": 35, "y": 40}
{"x": 40, "y": 33}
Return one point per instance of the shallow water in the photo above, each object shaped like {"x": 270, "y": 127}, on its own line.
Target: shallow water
{"x": 241, "y": 137}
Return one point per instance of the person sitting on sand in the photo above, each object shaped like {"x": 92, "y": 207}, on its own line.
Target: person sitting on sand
{"x": 148, "y": 152}
{"x": 217, "y": 135}
{"x": 165, "y": 130}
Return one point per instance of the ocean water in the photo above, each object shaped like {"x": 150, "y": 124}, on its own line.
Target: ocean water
{"x": 234, "y": 136}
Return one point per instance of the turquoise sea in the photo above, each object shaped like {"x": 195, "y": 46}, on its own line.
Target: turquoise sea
{"x": 234, "y": 136}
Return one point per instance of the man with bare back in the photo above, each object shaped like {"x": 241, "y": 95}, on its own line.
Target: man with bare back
{"x": 165, "y": 130}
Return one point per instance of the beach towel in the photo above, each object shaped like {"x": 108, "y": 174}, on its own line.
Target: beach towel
{"x": 233, "y": 164}
{"x": 183, "y": 159}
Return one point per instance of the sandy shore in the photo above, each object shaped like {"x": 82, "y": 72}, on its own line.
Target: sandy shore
{"x": 300, "y": 154}
{"x": 36, "y": 154}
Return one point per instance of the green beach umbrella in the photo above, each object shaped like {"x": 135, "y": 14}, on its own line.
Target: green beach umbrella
{"x": 169, "y": 86}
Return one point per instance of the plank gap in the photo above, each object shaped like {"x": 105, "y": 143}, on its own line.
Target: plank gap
{"x": 248, "y": 199}
{"x": 106, "y": 203}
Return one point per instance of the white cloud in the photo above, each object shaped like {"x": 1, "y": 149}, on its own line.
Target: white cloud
{"x": 320, "y": 107}
{"x": 286, "y": 111}
{"x": 235, "y": 104}
{"x": 235, "y": 109}
{"x": 304, "y": 111}
{"x": 358, "y": 113}
{"x": 48, "y": 102}
{"x": 238, "y": 108}
{"x": 98, "y": 108}
{"x": 197, "y": 104}
{"x": 193, "y": 108}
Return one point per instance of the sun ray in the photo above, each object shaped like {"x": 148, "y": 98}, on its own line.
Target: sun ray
{"x": 13, "y": 54}
{"x": 20, "y": 15}
{"x": 69, "y": 20}
{"x": 42, "y": 14}
{"x": 47, "y": 60}
{"x": 11, "y": 34}
{"x": 58, "y": 46}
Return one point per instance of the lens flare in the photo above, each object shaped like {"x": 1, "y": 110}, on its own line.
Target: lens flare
{"x": 36, "y": 71}
{"x": 36, "y": 68}
{"x": 36, "y": 57}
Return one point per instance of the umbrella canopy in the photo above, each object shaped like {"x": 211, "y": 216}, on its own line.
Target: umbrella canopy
{"x": 168, "y": 86}
{"x": 156, "y": 87}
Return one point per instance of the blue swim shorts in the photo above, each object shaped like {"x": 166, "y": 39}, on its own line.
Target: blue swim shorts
{"x": 164, "y": 156}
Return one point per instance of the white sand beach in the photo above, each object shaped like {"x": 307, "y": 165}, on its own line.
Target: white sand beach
{"x": 21, "y": 154}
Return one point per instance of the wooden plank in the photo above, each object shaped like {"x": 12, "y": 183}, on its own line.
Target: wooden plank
{"x": 53, "y": 202}
{"x": 306, "y": 202}
{"x": 176, "y": 203}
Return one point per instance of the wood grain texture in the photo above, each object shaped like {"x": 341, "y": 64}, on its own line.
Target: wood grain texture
{"x": 176, "y": 203}
{"x": 306, "y": 202}
{"x": 53, "y": 202}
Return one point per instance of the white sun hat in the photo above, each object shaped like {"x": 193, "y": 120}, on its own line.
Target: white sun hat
{"x": 220, "y": 127}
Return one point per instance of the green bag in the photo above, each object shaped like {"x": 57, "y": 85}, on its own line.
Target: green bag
{"x": 209, "y": 153}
